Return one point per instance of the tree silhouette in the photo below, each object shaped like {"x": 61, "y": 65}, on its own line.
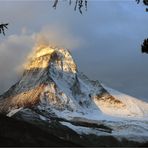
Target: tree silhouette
{"x": 3, "y": 27}
{"x": 78, "y": 4}
{"x": 144, "y": 46}
{"x": 83, "y": 3}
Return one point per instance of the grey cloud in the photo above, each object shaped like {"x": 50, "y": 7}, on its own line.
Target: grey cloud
{"x": 13, "y": 51}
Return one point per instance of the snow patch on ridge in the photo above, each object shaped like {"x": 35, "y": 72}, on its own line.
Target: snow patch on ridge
{"x": 134, "y": 107}
{"x": 14, "y": 111}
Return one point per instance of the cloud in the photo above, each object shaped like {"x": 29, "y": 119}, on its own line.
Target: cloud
{"x": 15, "y": 49}
{"x": 57, "y": 36}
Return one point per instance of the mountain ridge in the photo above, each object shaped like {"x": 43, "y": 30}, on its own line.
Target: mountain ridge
{"x": 51, "y": 88}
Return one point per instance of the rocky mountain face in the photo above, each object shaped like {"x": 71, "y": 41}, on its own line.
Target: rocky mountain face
{"x": 54, "y": 96}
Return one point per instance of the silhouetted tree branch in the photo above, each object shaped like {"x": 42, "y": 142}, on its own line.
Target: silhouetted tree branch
{"x": 3, "y": 27}
{"x": 145, "y": 2}
{"x": 144, "y": 46}
{"x": 55, "y": 3}
{"x": 78, "y": 4}
{"x": 83, "y": 3}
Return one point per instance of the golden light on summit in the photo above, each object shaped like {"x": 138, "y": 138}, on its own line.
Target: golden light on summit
{"x": 42, "y": 56}
{"x": 39, "y": 58}
{"x": 45, "y": 51}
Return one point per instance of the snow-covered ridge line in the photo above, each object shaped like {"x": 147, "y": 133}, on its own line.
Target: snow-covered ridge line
{"x": 135, "y": 106}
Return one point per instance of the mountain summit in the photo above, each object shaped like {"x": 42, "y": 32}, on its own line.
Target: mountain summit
{"x": 51, "y": 88}
{"x": 37, "y": 78}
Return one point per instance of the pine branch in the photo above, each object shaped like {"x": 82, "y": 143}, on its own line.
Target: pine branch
{"x": 3, "y": 27}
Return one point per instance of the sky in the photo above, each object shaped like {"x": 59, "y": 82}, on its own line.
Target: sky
{"x": 105, "y": 41}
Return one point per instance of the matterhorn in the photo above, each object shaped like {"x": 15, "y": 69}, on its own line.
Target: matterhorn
{"x": 55, "y": 96}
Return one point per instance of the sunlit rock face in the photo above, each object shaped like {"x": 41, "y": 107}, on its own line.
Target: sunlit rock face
{"x": 42, "y": 57}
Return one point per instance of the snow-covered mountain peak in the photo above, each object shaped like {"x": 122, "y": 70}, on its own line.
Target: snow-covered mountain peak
{"x": 62, "y": 64}
{"x": 52, "y": 87}
{"x": 51, "y": 76}
{"x": 39, "y": 58}
{"x": 42, "y": 57}
{"x": 46, "y": 70}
